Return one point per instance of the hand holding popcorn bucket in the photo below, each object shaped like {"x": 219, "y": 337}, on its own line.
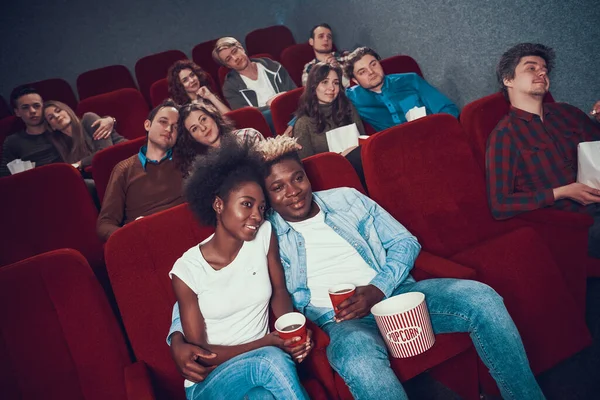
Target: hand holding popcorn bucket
{"x": 404, "y": 323}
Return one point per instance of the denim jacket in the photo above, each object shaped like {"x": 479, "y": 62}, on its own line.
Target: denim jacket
{"x": 385, "y": 245}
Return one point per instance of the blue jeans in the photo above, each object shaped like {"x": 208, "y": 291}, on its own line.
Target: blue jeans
{"x": 358, "y": 353}
{"x": 265, "y": 373}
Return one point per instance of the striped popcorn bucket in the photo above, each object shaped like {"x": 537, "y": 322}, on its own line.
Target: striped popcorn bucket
{"x": 404, "y": 323}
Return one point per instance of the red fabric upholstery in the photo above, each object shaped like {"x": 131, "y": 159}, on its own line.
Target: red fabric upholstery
{"x": 60, "y": 339}
{"x": 151, "y": 68}
{"x": 273, "y": 39}
{"x": 105, "y": 160}
{"x": 250, "y": 117}
{"x": 479, "y": 119}
{"x": 159, "y": 92}
{"x": 139, "y": 256}
{"x": 294, "y": 58}
{"x": 424, "y": 174}
{"x": 5, "y": 110}
{"x": 202, "y": 55}
{"x": 331, "y": 170}
{"x": 223, "y": 70}
{"x": 104, "y": 80}
{"x": 283, "y": 107}
{"x": 400, "y": 64}
{"x": 55, "y": 89}
{"x": 8, "y": 126}
{"x": 126, "y": 105}
{"x": 48, "y": 208}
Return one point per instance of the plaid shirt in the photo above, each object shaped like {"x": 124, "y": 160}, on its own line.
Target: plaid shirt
{"x": 248, "y": 134}
{"x": 341, "y": 59}
{"x": 526, "y": 158}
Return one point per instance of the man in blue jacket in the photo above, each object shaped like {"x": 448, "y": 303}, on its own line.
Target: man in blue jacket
{"x": 384, "y": 100}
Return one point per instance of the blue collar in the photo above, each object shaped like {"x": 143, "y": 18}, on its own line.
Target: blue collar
{"x": 144, "y": 160}
{"x": 284, "y": 226}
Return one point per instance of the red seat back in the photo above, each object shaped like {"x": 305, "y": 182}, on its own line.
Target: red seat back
{"x": 48, "y": 208}
{"x": 424, "y": 174}
{"x": 202, "y": 55}
{"x": 126, "y": 105}
{"x": 273, "y": 40}
{"x": 294, "y": 58}
{"x": 5, "y": 110}
{"x": 159, "y": 91}
{"x": 8, "y": 126}
{"x": 104, "y": 80}
{"x": 151, "y": 68}
{"x": 105, "y": 160}
{"x": 60, "y": 339}
{"x": 400, "y": 65}
{"x": 480, "y": 117}
{"x": 331, "y": 170}
{"x": 55, "y": 89}
{"x": 283, "y": 108}
{"x": 145, "y": 251}
{"x": 250, "y": 117}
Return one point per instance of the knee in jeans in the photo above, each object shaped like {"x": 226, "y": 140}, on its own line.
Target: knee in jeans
{"x": 355, "y": 348}
{"x": 274, "y": 357}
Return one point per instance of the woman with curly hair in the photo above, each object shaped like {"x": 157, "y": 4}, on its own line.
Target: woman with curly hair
{"x": 200, "y": 128}
{"x": 189, "y": 83}
{"x": 77, "y": 139}
{"x": 217, "y": 311}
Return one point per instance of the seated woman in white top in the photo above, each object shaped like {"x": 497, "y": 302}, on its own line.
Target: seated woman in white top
{"x": 200, "y": 128}
{"x": 225, "y": 285}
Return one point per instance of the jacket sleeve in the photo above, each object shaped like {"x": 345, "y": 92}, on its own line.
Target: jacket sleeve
{"x": 401, "y": 247}
{"x": 286, "y": 80}
{"x": 233, "y": 95}
{"x": 175, "y": 323}
{"x": 434, "y": 99}
{"x": 113, "y": 205}
{"x": 302, "y": 134}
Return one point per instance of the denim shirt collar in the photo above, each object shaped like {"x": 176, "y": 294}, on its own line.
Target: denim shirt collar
{"x": 144, "y": 160}
{"x": 283, "y": 227}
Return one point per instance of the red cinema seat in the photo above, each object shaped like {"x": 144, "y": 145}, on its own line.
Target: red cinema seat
{"x": 104, "y": 80}
{"x": 273, "y": 40}
{"x": 105, "y": 160}
{"x": 48, "y": 208}
{"x": 202, "y": 55}
{"x": 5, "y": 110}
{"x": 151, "y": 68}
{"x": 145, "y": 251}
{"x": 55, "y": 89}
{"x": 424, "y": 174}
{"x": 294, "y": 58}
{"x": 400, "y": 64}
{"x": 283, "y": 109}
{"x": 452, "y": 360}
{"x": 60, "y": 339}
{"x": 8, "y": 126}
{"x": 565, "y": 232}
{"x": 250, "y": 117}
{"x": 159, "y": 92}
{"x": 126, "y": 105}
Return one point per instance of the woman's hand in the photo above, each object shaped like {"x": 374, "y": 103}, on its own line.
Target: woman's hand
{"x": 205, "y": 93}
{"x": 104, "y": 127}
{"x": 298, "y": 351}
{"x": 187, "y": 358}
{"x": 596, "y": 111}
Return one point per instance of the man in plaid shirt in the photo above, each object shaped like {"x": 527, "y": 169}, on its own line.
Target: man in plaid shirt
{"x": 531, "y": 158}
{"x": 321, "y": 40}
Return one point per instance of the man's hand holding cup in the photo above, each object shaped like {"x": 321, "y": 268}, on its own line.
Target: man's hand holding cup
{"x": 357, "y": 305}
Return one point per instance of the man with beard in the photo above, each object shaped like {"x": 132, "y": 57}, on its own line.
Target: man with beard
{"x": 147, "y": 182}
{"x": 531, "y": 158}
{"x": 384, "y": 100}
{"x": 321, "y": 40}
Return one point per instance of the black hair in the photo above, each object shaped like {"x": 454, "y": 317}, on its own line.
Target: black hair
{"x": 511, "y": 58}
{"x": 218, "y": 173}
{"x": 354, "y": 57}
{"x": 292, "y": 155}
{"x": 323, "y": 25}
{"x": 19, "y": 92}
{"x": 164, "y": 104}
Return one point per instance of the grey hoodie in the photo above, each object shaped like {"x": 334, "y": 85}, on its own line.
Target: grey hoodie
{"x": 237, "y": 93}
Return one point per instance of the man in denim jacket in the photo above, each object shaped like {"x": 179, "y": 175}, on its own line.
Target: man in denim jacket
{"x": 387, "y": 251}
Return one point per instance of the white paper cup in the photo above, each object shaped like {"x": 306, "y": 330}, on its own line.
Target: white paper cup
{"x": 405, "y": 325}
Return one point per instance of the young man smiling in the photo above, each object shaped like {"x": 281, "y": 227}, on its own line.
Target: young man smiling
{"x": 341, "y": 236}
{"x": 531, "y": 158}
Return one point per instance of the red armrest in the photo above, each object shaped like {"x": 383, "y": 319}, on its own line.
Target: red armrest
{"x": 317, "y": 364}
{"x": 428, "y": 266}
{"x": 138, "y": 383}
{"x": 558, "y": 217}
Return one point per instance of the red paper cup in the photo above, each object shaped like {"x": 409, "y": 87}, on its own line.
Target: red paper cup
{"x": 339, "y": 293}
{"x": 292, "y": 325}
{"x": 404, "y": 323}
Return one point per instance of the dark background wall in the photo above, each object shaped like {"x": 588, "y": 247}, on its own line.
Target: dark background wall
{"x": 457, "y": 43}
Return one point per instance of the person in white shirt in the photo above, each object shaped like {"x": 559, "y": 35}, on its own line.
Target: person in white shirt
{"x": 225, "y": 285}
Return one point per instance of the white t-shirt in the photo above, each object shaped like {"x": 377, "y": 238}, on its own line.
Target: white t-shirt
{"x": 330, "y": 260}
{"x": 262, "y": 86}
{"x": 234, "y": 300}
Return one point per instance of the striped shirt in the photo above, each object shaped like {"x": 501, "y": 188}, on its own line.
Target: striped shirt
{"x": 526, "y": 158}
